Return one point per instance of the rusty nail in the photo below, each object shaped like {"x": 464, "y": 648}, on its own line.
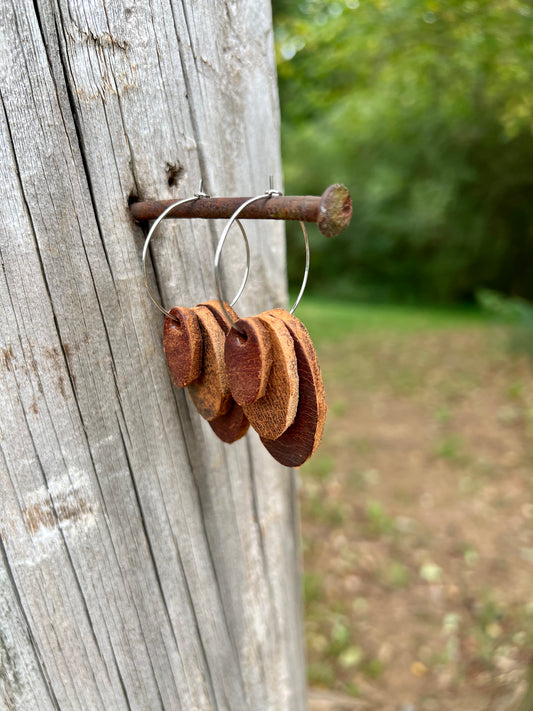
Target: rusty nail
{"x": 331, "y": 211}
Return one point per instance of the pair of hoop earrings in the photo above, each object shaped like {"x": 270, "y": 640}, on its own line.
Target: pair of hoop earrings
{"x": 260, "y": 370}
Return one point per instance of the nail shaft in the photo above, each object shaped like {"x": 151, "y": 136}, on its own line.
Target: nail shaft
{"x": 332, "y": 211}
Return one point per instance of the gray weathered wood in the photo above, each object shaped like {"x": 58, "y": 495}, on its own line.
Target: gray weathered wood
{"x": 143, "y": 564}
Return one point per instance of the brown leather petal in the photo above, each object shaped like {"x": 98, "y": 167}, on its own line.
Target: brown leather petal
{"x": 301, "y": 439}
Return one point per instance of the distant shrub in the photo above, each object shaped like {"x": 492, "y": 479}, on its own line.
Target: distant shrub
{"x": 517, "y": 312}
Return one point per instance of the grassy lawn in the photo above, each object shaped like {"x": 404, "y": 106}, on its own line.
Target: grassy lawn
{"x": 417, "y": 510}
{"x": 329, "y": 319}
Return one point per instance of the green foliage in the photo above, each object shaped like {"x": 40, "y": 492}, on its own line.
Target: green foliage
{"x": 517, "y": 312}
{"x": 513, "y": 310}
{"x": 423, "y": 108}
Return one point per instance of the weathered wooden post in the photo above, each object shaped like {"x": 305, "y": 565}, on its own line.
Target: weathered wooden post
{"x": 144, "y": 565}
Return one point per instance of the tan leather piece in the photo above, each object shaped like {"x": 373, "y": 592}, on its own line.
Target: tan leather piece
{"x": 272, "y": 414}
{"x": 210, "y": 393}
{"x": 183, "y": 346}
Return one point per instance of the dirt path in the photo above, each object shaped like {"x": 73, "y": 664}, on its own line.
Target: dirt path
{"x": 418, "y": 524}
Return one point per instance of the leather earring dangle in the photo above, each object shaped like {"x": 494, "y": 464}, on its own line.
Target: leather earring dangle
{"x": 272, "y": 370}
{"x": 193, "y": 341}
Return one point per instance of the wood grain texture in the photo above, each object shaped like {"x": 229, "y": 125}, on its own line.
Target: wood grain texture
{"x": 144, "y": 564}
{"x": 275, "y": 411}
{"x": 248, "y": 359}
{"x": 231, "y": 426}
{"x": 210, "y": 392}
{"x": 183, "y": 346}
{"x": 300, "y": 441}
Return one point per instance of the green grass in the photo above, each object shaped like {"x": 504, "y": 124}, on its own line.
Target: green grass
{"x": 329, "y": 319}
{"x": 451, "y": 447}
{"x": 395, "y": 575}
{"x": 378, "y": 522}
{"x": 321, "y": 466}
{"x": 312, "y": 587}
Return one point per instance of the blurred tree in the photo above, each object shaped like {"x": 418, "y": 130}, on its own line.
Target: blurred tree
{"x": 424, "y": 109}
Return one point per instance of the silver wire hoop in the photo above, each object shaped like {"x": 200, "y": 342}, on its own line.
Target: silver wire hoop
{"x": 198, "y": 196}
{"x": 220, "y": 246}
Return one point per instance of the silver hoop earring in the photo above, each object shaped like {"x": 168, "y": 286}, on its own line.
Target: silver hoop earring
{"x": 197, "y": 196}
{"x": 220, "y": 247}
